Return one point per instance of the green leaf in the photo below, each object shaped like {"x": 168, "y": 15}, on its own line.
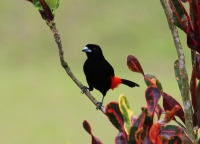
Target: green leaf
{"x": 134, "y": 129}
{"x": 169, "y": 131}
{"x": 177, "y": 74}
{"x": 152, "y": 80}
{"x": 37, "y": 4}
{"x": 175, "y": 140}
{"x": 116, "y": 118}
{"x": 114, "y": 115}
{"x": 179, "y": 15}
{"x": 126, "y": 111}
{"x": 139, "y": 131}
{"x": 53, "y": 4}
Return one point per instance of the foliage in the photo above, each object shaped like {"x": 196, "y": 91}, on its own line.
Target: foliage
{"x": 144, "y": 129}
{"x": 190, "y": 25}
{"x": 53, "y": 4}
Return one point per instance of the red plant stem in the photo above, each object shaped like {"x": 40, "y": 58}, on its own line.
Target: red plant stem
{"x": 195, "y": 102}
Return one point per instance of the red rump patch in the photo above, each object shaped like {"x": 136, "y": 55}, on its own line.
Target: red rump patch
{"x": 115, "y": 81}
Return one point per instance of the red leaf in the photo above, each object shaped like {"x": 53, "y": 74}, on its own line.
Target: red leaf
{"x": 170, "y": 114}
{"x": 191, "y": 42}
{"x": 140, "y": 127}
{"x": 134, "y": 65}
{"x": 190, "y": 37}
{"x": 154, "y": 133}
{"x": 147, "y": 140}
{"x": 179, "y": 15}
{"x": 197, "y": 19}
{"x": 195, "y": 14}
{"x": 181, "y": 19}
{"x": 87, "y": 127}
{"x": 152, "y": 95}
{"x": 138, "y": 135}
{"x": 116, "y": 118}
{"x": 169, "y": 103}
{"x": 134, "y": 129}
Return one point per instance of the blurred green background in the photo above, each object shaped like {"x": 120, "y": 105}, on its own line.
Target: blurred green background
{"x": 39, "y": 103}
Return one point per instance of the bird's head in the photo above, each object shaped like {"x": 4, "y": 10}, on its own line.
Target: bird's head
{"x": 93, "y": 51}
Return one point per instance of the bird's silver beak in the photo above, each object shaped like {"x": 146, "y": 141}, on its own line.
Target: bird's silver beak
{"x": 86, "y": 49}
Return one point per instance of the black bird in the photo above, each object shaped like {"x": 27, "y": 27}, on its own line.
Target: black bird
{"x": 99, "y": 73}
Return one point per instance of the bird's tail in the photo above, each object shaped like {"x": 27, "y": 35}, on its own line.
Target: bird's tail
{"x": 115, "y": 81}
{"x": 129, "y": 83}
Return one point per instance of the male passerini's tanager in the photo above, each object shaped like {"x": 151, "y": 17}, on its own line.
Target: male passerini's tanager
{"x": 99, "y": 73}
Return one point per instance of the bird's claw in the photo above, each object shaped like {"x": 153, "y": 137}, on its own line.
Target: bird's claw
{"x": 84, "y": 89}
{"x": 99, "y": 105}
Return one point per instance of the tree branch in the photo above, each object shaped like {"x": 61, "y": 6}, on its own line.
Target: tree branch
{"x": 64, "y": 64}
{"x": 185, "y": 85}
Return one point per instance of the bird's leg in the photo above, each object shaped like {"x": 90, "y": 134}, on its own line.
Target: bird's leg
{"x": 99, "y": 104}
{"x": 84, "y": 89}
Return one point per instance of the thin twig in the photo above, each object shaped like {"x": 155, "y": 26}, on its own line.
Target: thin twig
{"x": 185, "y": 85}
{"x": 64, "y": 64}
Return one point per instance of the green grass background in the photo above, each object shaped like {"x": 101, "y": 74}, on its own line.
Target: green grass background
{"x": 39, "y": 103}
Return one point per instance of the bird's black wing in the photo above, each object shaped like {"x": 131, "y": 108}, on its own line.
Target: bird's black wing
{"x": 88, "y": 72}
{"x": 108, "y": 68}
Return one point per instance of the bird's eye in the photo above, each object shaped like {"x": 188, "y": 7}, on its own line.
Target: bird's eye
{"x": 95, "y": 48}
